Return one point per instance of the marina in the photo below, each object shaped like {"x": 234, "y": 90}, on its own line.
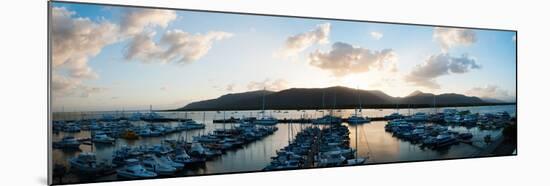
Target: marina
{"x": 194, "y": 143}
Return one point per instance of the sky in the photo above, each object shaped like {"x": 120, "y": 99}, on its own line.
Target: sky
{"x": 121, "y": 58}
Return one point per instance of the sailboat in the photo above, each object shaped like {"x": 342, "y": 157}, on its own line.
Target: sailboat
{"x": 265, "y": 120}
{"x": 330, "y": 118}
{"x": 356, "y": 118}
{"x": 357, "y": 160}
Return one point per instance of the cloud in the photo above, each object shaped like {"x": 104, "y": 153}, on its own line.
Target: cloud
{"x": 67, "y": 86}
{"x": 514, "y": 38}
{"x": 451, "y": 37}
{"x": 298, "y": 43}
{"x": 439, "y": 65}
{"x": 490, "y": 91}
{"x": 376, "y": 35}
{"x": 174, "y": 46}
{"x": 135, "y": 20}
{"x": 230, "y": 87}
{"x": 86, "y": 91}
{"x": 344, "y": 59}
{"x": 268, "y": 84}
{"x": 74, "y": 41}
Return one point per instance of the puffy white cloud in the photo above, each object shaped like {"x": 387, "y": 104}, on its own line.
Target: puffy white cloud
{"x": 298, "y": 43}
{"x": 74, "y": 41}
{"x": 450, "y": 37}
{"x": 439, "y": 65}
{"x": 174, "y": 46}
{"x": 344, "y": 59}
{"x": 135, "y": 20}
{"x": 490, "y": 91}
{"x": 268, "y": 84}
{"x": 376, "y": 35}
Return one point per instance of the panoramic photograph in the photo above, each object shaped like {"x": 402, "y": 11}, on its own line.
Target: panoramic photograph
{"x": 144, "y": 93}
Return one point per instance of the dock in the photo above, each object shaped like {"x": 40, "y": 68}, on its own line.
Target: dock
{"x": 290, "y": 120}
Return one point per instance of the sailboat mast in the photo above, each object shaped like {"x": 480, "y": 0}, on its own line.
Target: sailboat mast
{"x": 356, "y": 149}
{"x": 263, "y": 104}
{"x": 435, "y": 111}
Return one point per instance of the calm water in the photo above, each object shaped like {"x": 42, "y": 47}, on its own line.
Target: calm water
{"x": 372, "y": 141}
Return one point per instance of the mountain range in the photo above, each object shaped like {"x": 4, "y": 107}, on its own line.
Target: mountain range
{"x": 332, "y": 97}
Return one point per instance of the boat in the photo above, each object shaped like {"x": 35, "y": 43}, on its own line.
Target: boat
{"x": 356, "y": 160}
{"x": 151, "y": 164}
{"x": 72, "y": 128}
{"x": 393, "y": 116}
{"x": 190, "y": 125}
{"x": 134, "y": 170}
{"x": 206, "y": 139}
{"x": 183, "y": 157}
{"x": 331, "y": 159}
{"x": 103, "y": 138}
{"x": 167, "y": 160}
{"x": 444, "y": 140}
{"x": 197, "y": 150}
{"x": 269, "y": 121}
{"x": 68, "y": 142}
{"x": 86, "y": 163}
{"x": 146, "y": 132}
{"x": 328, "y": 119}
{"x": 358, "y": 119}
{"x": 417, "y": 117}
{"x": 161, "y": 149}
{"x": 129, "y": 135}
{"x": 465, "y": 136}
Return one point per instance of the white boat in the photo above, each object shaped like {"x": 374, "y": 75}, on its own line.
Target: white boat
{"x": 68, "y": 142}
{"x": 331, "y": 159}
{"x": 190, "y": 125}
{"x": 197, "y": 150}
{"x": 356, "y": 161}
{"x": 134, "y": 170}
{"x": 161, "y": 149}
{"x": 167, "y": 160}
{"x": 358, "y": 120}
{"x": 86, "y": 163}
{"x": 266, "y": 121}
{"x": 183, "y": 157}
{"x": 71, "y": 128}
{"x": 102, "y": 138}
{"x": 394, "y": 115}
{"x": 151, "y": 164}
{"x": 419, "y": 116}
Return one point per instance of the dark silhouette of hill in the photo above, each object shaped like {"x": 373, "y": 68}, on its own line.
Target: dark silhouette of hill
{"x": 332, "y": 97}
